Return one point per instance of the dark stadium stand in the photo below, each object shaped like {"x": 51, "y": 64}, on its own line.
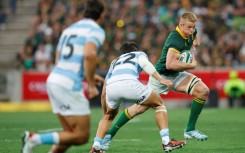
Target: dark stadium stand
{"x": 12, "y": 38}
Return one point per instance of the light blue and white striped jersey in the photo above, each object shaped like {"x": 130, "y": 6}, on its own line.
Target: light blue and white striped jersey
{"x": 125, "y": 67}
{"x": 69, "y": 71}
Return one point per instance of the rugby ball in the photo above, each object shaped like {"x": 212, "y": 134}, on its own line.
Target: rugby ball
{"x": 186, "y": 57}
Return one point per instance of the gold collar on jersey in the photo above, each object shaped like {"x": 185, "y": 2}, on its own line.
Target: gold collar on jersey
{"x": 180, "y": 32}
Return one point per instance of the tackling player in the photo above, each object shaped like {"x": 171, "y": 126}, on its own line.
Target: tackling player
{"x": 123, "y": 76}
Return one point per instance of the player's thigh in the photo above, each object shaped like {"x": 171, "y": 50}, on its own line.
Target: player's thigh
{"x": 153, "y": 100}
{"x": 200, "y": 90}
{"x": 191, "y": 84}
{"x": 79, "y": 123}
{"x": 183, "y": 81}
{"x": 181, "y": 87}
{"x": 64, "y": 123}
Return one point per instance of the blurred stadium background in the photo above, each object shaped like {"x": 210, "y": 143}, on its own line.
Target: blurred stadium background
{"x": 29, "y": 31}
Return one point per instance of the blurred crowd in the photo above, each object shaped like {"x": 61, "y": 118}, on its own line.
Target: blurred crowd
{"x": 6, "y": 8}
{"x": 3, "y": 16}
{"x": 221, "y": 30}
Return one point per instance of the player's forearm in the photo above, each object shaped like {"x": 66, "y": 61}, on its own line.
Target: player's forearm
{"x": 173, "y": 62}
{"x": 157, "y": 76}
{"x": 180, "y": 66}
{"x": 89, "y": 68}
{"x": 57, "y": 56}
{"x": 90, "y": 61}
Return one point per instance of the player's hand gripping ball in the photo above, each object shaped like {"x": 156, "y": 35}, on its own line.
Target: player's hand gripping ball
{"x": 186, "y": 57}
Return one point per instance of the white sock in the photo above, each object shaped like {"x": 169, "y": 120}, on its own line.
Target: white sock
{"x": 56, "y": 137}
{"x": 47, "y": 138}
{"x": 35, "y": 140}
{"x": 165, "y": 136}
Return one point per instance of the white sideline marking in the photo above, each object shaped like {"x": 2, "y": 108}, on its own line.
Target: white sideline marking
{"x": 50, "y": 130}
{"x": 135, "y": 120}
{"x": 123, "y": 140}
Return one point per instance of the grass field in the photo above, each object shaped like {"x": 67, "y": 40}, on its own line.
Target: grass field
{"x": 225, "y": 128}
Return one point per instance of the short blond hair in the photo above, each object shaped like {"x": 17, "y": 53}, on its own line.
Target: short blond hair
{"x": 189, "y": 16}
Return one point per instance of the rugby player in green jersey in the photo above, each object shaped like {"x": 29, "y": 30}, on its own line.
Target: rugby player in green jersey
{"x": 169, "y": 67}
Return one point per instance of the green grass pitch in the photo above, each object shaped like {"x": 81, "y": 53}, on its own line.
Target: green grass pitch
{"x": 225, "y": 128}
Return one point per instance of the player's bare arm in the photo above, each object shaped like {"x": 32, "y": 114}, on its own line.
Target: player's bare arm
{"x": 57, "y": 56}
{"x": 162, "y": 80}
{"x": 173, "y": 62}
{"x": 99, "y": 80}
{"x": 195, "y": 44}
{"x": 90, "y": 58}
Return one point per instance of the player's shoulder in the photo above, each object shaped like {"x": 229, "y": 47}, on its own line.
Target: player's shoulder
{"x": 175, "y": 38}
{"x": 142, "y": 53}
{"x": 174, "y": 34}
{"x": 86, "y": 23}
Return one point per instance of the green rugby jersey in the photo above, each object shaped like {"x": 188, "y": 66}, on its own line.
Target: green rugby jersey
{"x": 178, "y": 42}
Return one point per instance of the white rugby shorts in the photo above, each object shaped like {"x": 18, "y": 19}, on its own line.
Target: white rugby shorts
{"x": 126, "y": 90}
{"x": 67, "y": 102}
{"x": 163, "y": 89}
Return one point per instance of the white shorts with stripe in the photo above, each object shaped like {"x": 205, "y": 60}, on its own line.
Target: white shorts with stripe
{"x": 163, "y": 89}
{"x": 67, "y": 102}
{"x": 126, "y": 90}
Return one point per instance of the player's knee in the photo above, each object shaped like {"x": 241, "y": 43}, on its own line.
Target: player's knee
{"x": 81, "y": 138}
{"x": 157, "y": 101}
{"x": 161, "y": 108}
{"x": 110, "y": 115}
{"x": 204, "y": 92}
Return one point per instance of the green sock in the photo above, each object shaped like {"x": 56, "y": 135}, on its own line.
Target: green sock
{"x": 196, "y": 108}
{"x": 124, "y": 118}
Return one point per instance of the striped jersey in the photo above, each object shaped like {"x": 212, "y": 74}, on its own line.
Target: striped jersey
{"x": 125, "y": 67}
{"x": 69, "y": 70}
